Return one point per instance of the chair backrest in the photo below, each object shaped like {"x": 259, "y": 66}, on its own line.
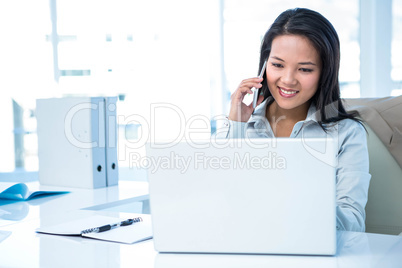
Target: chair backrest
{"x": 384, "y": 206}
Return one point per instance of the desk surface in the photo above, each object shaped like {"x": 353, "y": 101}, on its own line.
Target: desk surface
{"x": 20, "y": 246}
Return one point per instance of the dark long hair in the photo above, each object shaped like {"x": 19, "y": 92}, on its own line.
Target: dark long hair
{"x": 322, "y": 35}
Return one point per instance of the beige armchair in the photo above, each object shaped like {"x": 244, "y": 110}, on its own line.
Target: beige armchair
{"x": 383, "y": 119}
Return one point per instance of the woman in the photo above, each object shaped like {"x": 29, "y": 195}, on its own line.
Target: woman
{"x": 301, "y": 98}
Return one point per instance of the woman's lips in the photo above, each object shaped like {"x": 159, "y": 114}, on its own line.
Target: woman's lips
{"x": 287, "y": 93}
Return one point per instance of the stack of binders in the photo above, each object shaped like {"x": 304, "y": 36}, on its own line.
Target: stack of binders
{"x": 77, "y": 141}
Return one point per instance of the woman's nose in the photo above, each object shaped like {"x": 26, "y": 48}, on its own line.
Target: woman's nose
{"x": 288, "y": 77}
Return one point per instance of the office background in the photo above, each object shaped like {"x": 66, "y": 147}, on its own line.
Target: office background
{"x": 189, "y": 54}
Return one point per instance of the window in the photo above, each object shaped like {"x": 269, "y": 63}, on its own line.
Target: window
{"x": 143, "y": 51}
{"x": 396, "y": 52}
{"x": 27, "y": 73}
{"x": 147, "y": 52}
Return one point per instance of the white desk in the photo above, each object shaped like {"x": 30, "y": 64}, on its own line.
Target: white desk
{"x": 20, "y": 246}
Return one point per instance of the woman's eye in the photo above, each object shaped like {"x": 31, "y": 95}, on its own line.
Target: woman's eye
{"x": 306, "y": 70}
{"x": 277, "y": 65}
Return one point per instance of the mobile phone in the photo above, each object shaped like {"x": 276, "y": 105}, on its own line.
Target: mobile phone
{"x": 256, "y": 92}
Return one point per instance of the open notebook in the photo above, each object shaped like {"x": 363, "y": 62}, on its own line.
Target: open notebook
{"x": 20, "y": 192}
{"x": 137, "y": 232}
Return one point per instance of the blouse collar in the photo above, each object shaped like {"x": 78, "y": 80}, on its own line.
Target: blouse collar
{"x": 260, "y": 111}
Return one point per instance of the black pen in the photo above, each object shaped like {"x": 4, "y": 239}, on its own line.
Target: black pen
{"x": 111, "y": 226}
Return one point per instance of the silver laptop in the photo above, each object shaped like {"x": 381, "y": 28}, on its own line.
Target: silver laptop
{"x": 262, "y": 196}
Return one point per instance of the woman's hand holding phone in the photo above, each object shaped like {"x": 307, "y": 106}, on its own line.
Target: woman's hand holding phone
{"x": 238, "y": 110}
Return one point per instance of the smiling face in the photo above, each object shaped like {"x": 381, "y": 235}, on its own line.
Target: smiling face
{"x": 293, "y": 72}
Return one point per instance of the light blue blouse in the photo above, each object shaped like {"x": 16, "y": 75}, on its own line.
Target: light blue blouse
{"x": 352, "y": 172}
